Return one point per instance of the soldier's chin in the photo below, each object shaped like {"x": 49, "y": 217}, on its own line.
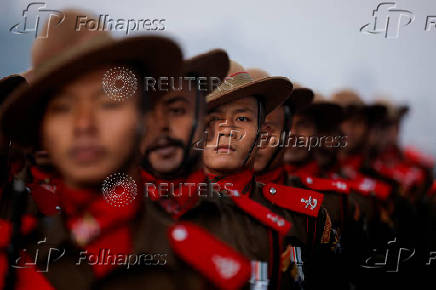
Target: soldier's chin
{"x": 259, "y": 164}
{"x": 296, "y": 154}
{"x": 87, "y": 177}
{"x": 166, "y": 164}
{"x": 225, "y": 165}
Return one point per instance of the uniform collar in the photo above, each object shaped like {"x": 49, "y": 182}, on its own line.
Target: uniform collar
{"x": 183, "y": 193}
{"x": 276, "y": 175}
{"x": 309, "y": 168}
{"x": 76, "y": 203}
{"x": 240, "y": 182}
{"x": 40, "y": 175}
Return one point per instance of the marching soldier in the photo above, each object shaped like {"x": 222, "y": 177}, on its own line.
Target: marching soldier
{"x": 172, "y": 157}
{"x": 317, "y": 246}
{"x": 77, "y": 104}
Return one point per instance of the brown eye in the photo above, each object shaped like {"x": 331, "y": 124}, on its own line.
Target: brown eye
{"x": 243, "y": 119}
{"x": 177, "y": 111}
{"x": 59, "y": 107}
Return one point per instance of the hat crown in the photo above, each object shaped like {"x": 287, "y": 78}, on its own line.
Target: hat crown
{"x": 64, "y": 35}
{"x": 235, "y": 67}
{"x": 393, "y": 111}
{"x": 257, "y": 73}
{"x": 347, "y": 97}
{"x": 237, "y": 77}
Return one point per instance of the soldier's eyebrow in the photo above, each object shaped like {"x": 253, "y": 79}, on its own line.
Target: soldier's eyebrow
{"x": 68, "y": 93}
{"x": 271, "y": 123}
{"x": 243, "y": 110}
{"x": 176, "y": 99}
{"x": 98, "y": 92}
{"x": 216, "y": 110}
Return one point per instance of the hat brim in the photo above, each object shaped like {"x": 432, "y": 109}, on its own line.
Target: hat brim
{"x": 214, "y": 63}
{"x": 299, "y": 99}
{"x": 327, "y": 115}
{"x": 22, "y": 111}
{"x": 9, "y": 84}
{"x": 272, "y": 91}
{"x": 375, "y": 113}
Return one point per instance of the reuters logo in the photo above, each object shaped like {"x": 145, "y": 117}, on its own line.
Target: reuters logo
{"x": 119, "y": 83}
{"x": 119, "y": 189}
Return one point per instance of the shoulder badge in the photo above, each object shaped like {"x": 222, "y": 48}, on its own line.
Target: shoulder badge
{"x": 368, "y": 186}
{"x": 325, "y": 184}
{"x": 221, "y": 264}
{"x": 295, "y": 199}
{"x": 262, "y": 213}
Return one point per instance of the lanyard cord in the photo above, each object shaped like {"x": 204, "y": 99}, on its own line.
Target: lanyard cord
{"x": 283, "y": 134}
{"x": 260, "y": 109}
{"x": 195, "y": 122}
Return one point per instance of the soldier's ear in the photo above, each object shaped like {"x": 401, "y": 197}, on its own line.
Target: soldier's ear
{"x": 264, "y": 139}
{"x": 140, "y": 127}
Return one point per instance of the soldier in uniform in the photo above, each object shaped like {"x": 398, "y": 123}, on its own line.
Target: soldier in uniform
{"x": 235, "y": 122}
{"x": 223, "y": 206}
{"x": 311, "y": 234}
{"x": 412, "y": 173}
{"x": 77, "y": 110}
{"x": 176, "y": 121}
{"x": 315, "y": 166}
{"x": 10, "y": 163}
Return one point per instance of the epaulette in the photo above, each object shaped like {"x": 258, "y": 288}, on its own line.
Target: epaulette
{"x": 221, "y": 264}
{"x": 45, "y": 197}
{"x": 325, "y": 184}
{"x": 421, "y": 159}
{"x": 432, "y": 191}
{"x": 28, "y": 223}
{"x": 261, "y": 213}
{"x": 295, "y": 199}
{"x": 404, "y": 174}
{"x": 369, "y": 186}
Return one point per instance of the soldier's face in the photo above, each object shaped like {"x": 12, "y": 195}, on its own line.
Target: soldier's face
{"x": 355, "y": 129}
{"x": 271, "y": 130}
{"x": 87, "y": 134}
{"x": 232, "y": 130}
{"x": 303, "y": 128}
{"x": 169, "y": 126}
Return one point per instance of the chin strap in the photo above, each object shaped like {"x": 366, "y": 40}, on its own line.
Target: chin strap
{"x": 283, "y": 134}
{"x": 187, "y": 156}
{"x": 260, "y": 109}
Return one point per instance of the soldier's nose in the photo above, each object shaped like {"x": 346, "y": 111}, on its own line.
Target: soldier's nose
{"x": 84, "y": 120}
